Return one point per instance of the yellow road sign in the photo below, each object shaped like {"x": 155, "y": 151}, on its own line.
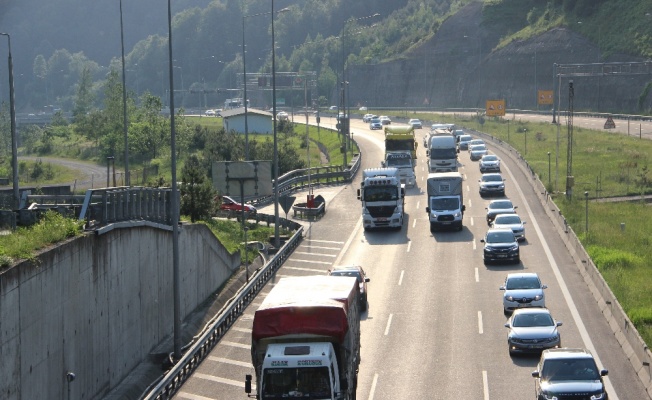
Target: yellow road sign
{"x": 545, "y": 97}
{"x": 495, "y": 108}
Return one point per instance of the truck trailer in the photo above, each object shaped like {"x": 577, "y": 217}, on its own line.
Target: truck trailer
{"x": 383, "y": 198}
{"x": 445, "y": 200}
{"x": 305, "y": 340}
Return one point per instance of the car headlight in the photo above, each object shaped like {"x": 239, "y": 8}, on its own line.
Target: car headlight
{"x": 599, "y": 396}
{"x": 457, "y": 215}
{"x": 547, "y": 396}
{"x": 538, "y": 297}
{"x": 513, "y": 247}
{"x": 509, "y": 298}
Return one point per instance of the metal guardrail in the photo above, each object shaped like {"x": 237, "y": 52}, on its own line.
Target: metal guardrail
{"x": 168, "y": 385}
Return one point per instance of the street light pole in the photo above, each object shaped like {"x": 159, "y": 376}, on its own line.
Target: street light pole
{"x": 244, "y": 84}
{"x": 176, "y": 276}
{"x": 12, "y": 116}
{"x": 549, "y": 179}
{"x": 277, "y": 241}
{"x": 586, "y": 228}
{"x": 124, "y": 100}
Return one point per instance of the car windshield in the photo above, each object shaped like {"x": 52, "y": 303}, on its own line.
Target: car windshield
{"x": 531, "y": 320}
{"x": 478, "y": 147}
{"x": 489, "y": 158}
{"x": 476, "y": 141}
{"x": 492, "y": 178}
{"x": 500, "y": 205}
{"x": 375, "y": 120}
{"x": 582, "y": 369}
{"x": 348, "y": 272}
{"x": 524, "y": 282}
{"x": 507, "y": 219}
{"x": 465, "y": 138}
{"x": 500, "y": 237}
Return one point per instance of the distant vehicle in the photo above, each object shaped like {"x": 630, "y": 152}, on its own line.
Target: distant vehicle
{"x": 416, "y": 123}
{"x": 572, "y": 372}
{"x": 332, "y": 108}
{"x": 385, "y": 120}
{"x": 489, "y": 163}
{"x": 500, "y": 245}
{"x": 477, "y": 151}
{"x": 448, "y": 127}
{"x": 357, "y": 272}
{"x": 363, "y": 108}
{"x": 511, "y": 221}
{"x": 463, "y": 142}
{"x": 210, "y": 113}
{"x": 492, "y": 184}
{"x": 532, "y": 331}
{"x": 523, "y": 290}
{"x": 282, "y": 116}
{"x": 375, "y": 124}
{"x": 457, "y": 133}
{"x": 229, "y": 204}
{"x": 475, "y": 142}
{"x": 367, "y": 117}
{"x": 496, "y": 207}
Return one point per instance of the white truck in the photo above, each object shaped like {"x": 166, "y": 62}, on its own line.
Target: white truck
{"x": 442, "y": 152}
{"x": 306, "y": 340}
{"x": 401, "y": 152}
{"x": 445, "y": 200}
{"x": 383, "y": 198}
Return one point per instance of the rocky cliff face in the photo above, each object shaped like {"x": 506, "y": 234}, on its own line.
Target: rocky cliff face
{"x": 460, "y": 68}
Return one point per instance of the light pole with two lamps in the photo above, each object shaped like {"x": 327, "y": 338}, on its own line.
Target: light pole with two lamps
{"x": 12, "y": 116}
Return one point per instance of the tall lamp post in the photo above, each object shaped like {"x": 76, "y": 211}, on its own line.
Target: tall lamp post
{"x": 549, "y": 178}
{"x": 586, "y": 228}
{"x": 124, "y": 100}
{"x": 12, "y": 115}
{"x": 174, "y": 201}
{"x": 276, "y": 219}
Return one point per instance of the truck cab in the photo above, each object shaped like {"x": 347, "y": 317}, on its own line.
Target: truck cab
{"x": 442, "y": 152}
{"x": 383, "y": 198}
{"x": 299, "y": 370}
{"x": 403, "y": 161}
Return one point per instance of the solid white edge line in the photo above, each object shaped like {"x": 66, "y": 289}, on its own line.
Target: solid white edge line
{"x": 586, "y": 338}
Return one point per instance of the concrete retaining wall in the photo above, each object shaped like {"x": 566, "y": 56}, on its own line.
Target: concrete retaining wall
{"x": 97, "y": 305}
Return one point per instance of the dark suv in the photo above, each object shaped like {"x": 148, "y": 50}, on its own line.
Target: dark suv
{"x": 569, "y": 374}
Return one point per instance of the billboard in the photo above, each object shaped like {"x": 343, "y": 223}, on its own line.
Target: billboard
{"x": 255, "y": 176}
{"x": 495, "y": 108}
{"x": 544, "y": 97}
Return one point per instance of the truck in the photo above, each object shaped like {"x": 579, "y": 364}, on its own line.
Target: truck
{"x": 305, "y": 340}
{"x": 401, "y": 152}
{"x": 445, "y": 200}
{"x": 383, "y": 198}
{"x": 442, "y": 152}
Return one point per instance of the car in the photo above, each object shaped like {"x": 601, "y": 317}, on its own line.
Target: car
{"x": 282, "y": 116}
{"x": 569, "y": 373}
{"x": 474, "y": 142}
{"x": 532, "y": 330}
{"x": 463, "y": 142}
{"x": 416, "y": 123}
{"x": 367, "y": 117}
{"x": 513, "y": 222}
{"x": 385, "y": 120}
{"x": 363, "y": 108}
{"x": 477, "y": 151}
{"x": 227, "y": 203}
{"x": 492, "y": 184}
{"x": 500, "y": 245}
{"x": 496, "y": 207}
{"x": 357, "y": 272}
{"x": 448, "y": 127}
{"x": 375, "y": 124}
{"x": 489, "y": 163}
{"x": 457, "y": 133}
{"x": 209, "y": 113}
{"x": 522, "y": 290}
{"x": 332, "y": 108}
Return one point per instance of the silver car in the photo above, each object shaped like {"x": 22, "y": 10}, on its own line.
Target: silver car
{"x": 477, "y": 151}
{"x": 492, "y": 184}
{"x": 523, "y": 290}
{"x": 489, "y": 163}
{"x": 532, "y": 331}
{"x": 510, "y": 221}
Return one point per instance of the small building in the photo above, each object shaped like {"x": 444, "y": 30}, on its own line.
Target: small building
{"x": 258, "y": 121}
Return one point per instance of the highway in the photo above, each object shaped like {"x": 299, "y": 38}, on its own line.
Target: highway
{"x": 434, "y": 328}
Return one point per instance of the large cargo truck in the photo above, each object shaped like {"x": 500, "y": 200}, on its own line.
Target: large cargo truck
{"x": 383, "y": 198}
{"x": 401, "y": 152}
{"x": 445, "y": 200}
{"x": 305, "y": 340}
{"x": 442, "y": 152}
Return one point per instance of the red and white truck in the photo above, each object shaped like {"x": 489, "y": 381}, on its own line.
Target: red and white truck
{"x": 305, "y": 340}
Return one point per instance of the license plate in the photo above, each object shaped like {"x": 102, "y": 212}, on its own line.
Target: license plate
{"x": 502, "y": 255}
{"x": 382, "y": 219}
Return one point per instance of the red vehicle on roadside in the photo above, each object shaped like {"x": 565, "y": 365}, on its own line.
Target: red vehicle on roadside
{"x": 229, "y": 204}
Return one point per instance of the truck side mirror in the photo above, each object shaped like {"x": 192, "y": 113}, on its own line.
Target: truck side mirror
{"x": 382, "y": 164}
{"x": 248, "y": 383}
{"x": 358, "y": 194}
{"x": 463, "y": 208}
{"x": 458, "y": 149}
{"x": 402, "y": 192}
{"x": 428, "y": 210}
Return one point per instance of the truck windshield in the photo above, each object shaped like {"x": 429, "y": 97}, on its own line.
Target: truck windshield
{"x": 399, "y": 162}
{"x": 443, "y": 154}
{"x": 394, "y": 145}
{"x": 445, "y": 204}
{"x": 305, "y": 383}
{"x": 380, "y": 193}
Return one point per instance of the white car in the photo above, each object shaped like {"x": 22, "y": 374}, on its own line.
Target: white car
{"x": 367, "y": 117}
{"x": 282, "y": 116}
{"x": 416, "y": 123}
{"x": 384, "y": 119}
{"x": 489, "y": 163}
{"x": 510, "y": 221}
{"x": 477, "y": 151}
{"x": 209, "y": 113}
{"x": 523, "y": 290}
{"x": 363, "y": 108}
{"x": 474, "y": 142}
